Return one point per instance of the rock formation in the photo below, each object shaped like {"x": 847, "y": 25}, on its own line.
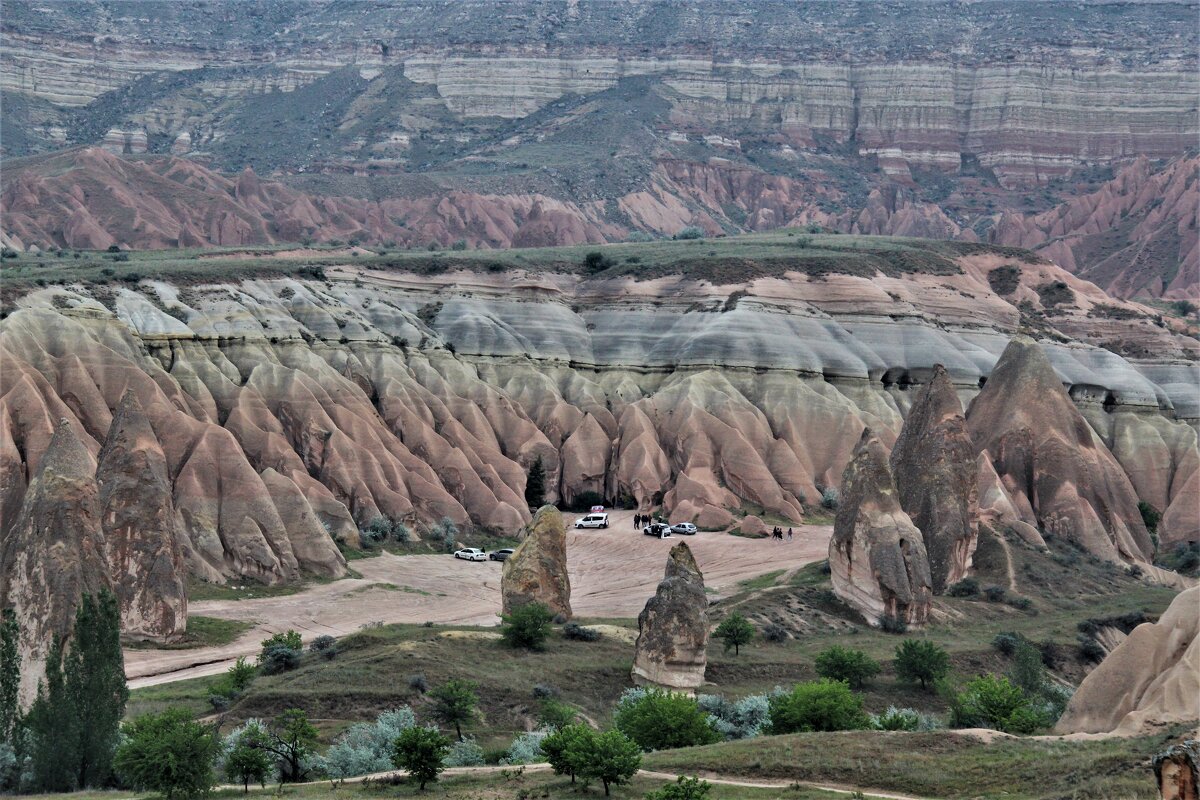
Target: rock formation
{"x": 536, "y": 572}
{"x": 1051, "y": 460}
{"x": 137, "y": 515}
{"x": 1177, "y": 771}
{"x": 54, "y": 553}
{"x": 1151, "y": 679}
{"x": 877, "y": 558}
{"x": 934, "y": 465}
{"x": 672, "y": 643}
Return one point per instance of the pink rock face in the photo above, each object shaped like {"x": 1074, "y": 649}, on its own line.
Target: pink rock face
{"x": 671, "y": 651}
{"x": 54, "y": 554}
{"x": 877, "y": 558}
{"x": 145, "y": 556}
{"x": 933, "y": 463}
{"x": 1051, "y": 461}
{"x": 536, "y": 572}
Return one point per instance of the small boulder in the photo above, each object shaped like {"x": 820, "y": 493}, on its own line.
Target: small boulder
{"x": 672, "y": 643}
{"x": 536, "y": 572}
{"x": 752, "y": 526}
{"x": 877, "y": 557}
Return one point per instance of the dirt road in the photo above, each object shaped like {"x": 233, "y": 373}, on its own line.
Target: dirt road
{"x": 612, "y": 571}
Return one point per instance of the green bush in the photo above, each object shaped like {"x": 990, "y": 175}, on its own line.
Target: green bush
{"x": 168, "y": 753}
{"x": 422, "y": 752}
{"x": 659, "y": 720}
{"x": 527, "y": 626}
{"x": 690, "y": 232}
{"x": 822, "y": 705}
{"x": 610, "y": 757}
{"x": 596, "y": 262}
{"x": 684, "y": 788}
{"x": 988, "y": 701}
{"x": 565, "y": 748}
{"x": 967, "y": 587}
{"x": 843, "y": 664}
{"x": 921, "y": 662}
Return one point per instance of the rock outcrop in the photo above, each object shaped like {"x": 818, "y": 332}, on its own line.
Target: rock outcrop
{"x": 934, "y": 466}
{"x": 1051, "y": 461}
{"x": 672, "y": 643}
{"x": 137, "y": 515}
{"x": 1151, "y": 679}
{"x": 54, "y": 553}
{"x": 1177, "y": 771}
{"x": 536, "y": 572}
{"x": 877, "y": 558}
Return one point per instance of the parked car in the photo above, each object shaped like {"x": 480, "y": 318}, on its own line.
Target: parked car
{"x": 471, "y": 554}
{"x": 592, "y": 521}
{"x": 684, "y": 529}
{"x": 500, "y": 555}
{"x": 660, "y": 529}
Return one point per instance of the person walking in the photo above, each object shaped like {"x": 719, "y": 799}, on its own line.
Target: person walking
{"x": 637, "y": 521}
{"x": 789, "y": 534}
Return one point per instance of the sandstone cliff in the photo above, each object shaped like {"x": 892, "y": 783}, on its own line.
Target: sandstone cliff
{"x": 536, "y": 572}
{"x": 672, "y": 644}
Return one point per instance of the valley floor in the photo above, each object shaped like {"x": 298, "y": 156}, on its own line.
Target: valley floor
{"x": 613, "y": 572}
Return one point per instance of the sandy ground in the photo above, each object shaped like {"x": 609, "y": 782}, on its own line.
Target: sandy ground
{"x": 613, "y": 572}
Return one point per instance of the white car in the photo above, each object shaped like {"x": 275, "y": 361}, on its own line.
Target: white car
{"x": 659, "y": 529}
{"x": 471, "y": 554}
{"x": 684, "y": 529}
{"x": 592, "y": 521}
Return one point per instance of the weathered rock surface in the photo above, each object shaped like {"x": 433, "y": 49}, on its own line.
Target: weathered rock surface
{"x": 877, "y": 557}
{"x": 55, "y": 552}
{"x": 672, "y": 643}
{"x": 137, "y": 515}
{"x": 536, "y": 572}
{"x": 1177, "y": 771}
{"x": 1051, "y": 460}
{"x": 934, "y": 466}
{"x": 1151, "y": 679}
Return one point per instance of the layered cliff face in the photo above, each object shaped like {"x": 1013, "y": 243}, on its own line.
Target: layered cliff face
{"x": 290, "y": 412}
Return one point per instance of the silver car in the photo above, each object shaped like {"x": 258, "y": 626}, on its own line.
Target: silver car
{"x": 684, "y": 529}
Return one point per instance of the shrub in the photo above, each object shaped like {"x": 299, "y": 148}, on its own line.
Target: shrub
{"x": 422, "y": 752}
{"x": 1090, "y": 649}
{"x": 555, "y": 715}
{"x": 112, "y": 248}
{"x": 690, "y": 232}
{"x": 464, "y": 754}
{"x": 418, "y": 683}
{"x": 830, "y": 498}
{"x": 735, "y": 631}
{"x": 659, "y": 720}
{"x": 577, "y": 633}
{"x": 525, "y": 749}
{"x": 740, "y": 719}
{"x": 367, "y": 747}
{"x": 446, "y": 532}
{"x": 168, "y": 753}
{"x": 459, "y": 244}
{"x": 324, "y": 645}
{"x": 596, "y": 262}
{"x": 896, "y": 719}
{"x": 890, "y": 624}
{"x": 842, "y": 664}
{"x": 683, "y": 788}
{"x": 921, "y": 661}
{"x": 1150, "y": 516}
{"x": 775, "y": 633}
{"x": 278, "y": 658}
{"x": 822, "y": 705}
{"x": 527, "y": 626}
{"x": 240, "y": 675}
{"x": 967, "y": 587}
{"x": 289, "y": 639}
{"x": 543, "y": 691}
{"x": 995, "y": 594}
{"x": 994, "y": 702}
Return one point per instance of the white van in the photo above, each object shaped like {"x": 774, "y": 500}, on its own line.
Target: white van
{"x": 592, "y": 521}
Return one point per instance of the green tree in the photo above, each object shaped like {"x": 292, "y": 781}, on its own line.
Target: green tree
{"x": 659, "y": 720}
{"x": 291, "y": 738}
{"x": 565, "y": 747}
{"x": 10, "y": 676}
{"x": 683, "y": 788}
{"x": 822, "y": 705}
{"x": 1027, "y": 671}
{"x": 535, "y": 484}
{"x": 527, "y": 626}
{"x": 921, "y": 661}
{"x": 52, "y": 732}
{"x": 422, "y": 752}
{"x": 454, "y": 703}
{"x": 735, "y": 631}
{"x": 1150, "y": 516}
{"x": 168, "y": 753}
{"x": 611, "y": 758}
{"x": 289, "y": 639}
{"x": 843, "y": 664}
{"x": 248, "y": 759}
{"x": 555, "y": 714}
{"x": 994, "y": 703}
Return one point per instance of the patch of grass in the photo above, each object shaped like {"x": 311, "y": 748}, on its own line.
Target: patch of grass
{"x": 761, "y": 581}
{"x": 201, "y": 632}
{"x": 940, "y": 764}
{"x": 202, "y": 590}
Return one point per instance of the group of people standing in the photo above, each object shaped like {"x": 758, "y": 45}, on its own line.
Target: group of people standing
{"x": 640, "y": 520}
{"x": 777, "y": 533}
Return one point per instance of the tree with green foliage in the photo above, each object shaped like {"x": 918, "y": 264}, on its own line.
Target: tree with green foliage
{"x": 248, "y": 759}
{"x": 455, "y": 703}
{"x": 168, "y": 753}
{"x": 684, "y": 788}
{"x": 822, "y": 705}
{"x": 289, "y": 639}
{"x": 921, "y": 661}
{"x": 563, "y": 748}
{"x": 535, "y": 484}
{"x": 1150, "y": 516}
{"x": 735, "y": 631}
{"x": 556, "y": 715}
{"x": 1027, "y": 671}
{"x": 10, "y": 676}
{"x": 988, "y": 701}
{"x": 527, "y": 626}
{"x": 610, "y": 757}
{"x": 422, "y": 753}
{"x": 843, "y": 664}
{"x": 292, "y": 739}
{"x": 659, "y": 720}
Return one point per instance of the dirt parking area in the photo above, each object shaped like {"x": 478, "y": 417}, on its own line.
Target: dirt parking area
{"x": 612, "y": 571}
